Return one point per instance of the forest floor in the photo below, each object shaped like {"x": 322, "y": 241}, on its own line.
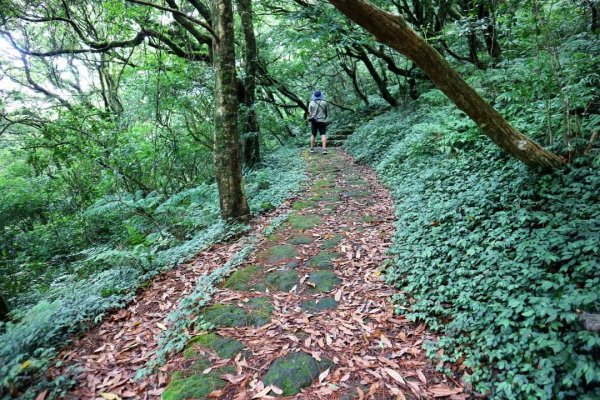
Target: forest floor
{"x": 307, "y": 315}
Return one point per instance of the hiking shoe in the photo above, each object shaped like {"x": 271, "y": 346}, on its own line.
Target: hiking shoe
{"x": 324, "y": 151}
{"x": 312, "y": 150}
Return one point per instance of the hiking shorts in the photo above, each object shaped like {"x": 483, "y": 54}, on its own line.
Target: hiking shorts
{"x": 320, "y": 127}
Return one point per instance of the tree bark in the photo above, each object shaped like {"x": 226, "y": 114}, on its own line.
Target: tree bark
{"x": 394, "y": 31}
{"x": 351, "y": 71}
{"x": 228, "y": 169}
{"x": 360, "y": 53}
{"x": 251, "y": 128}
{"x": 3, "y": 309}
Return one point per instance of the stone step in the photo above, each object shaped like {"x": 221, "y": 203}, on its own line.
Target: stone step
{"x": 335, "y": 143}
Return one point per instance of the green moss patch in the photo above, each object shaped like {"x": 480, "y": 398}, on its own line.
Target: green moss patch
{"x": 305, "y": 221}
{"x": 323, "y": 260}
{"x": 332, "y": 242}
{"x": 260, "y": 311}
{"x": 326, "y": 303}
{"x": 369, "y": 219}
{"x": 224, "y": 347}
{"x": 242, "y": 278}
{"x": 283, "y": 281}
{"x": 301, "y": 239}
{"x": 294, "y": 372}
{"x": 225, "y": 315}
{"x": 302, "y": 204}
{"x": 324, "y": 281}
{"x": 229, "y": 315}
{"x": 323, "y": 183}
{"x": 279, "y": 253}
{"x": 198, "y": 386}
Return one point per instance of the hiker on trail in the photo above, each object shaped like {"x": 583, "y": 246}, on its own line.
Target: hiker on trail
{"x": 318, "y": 109}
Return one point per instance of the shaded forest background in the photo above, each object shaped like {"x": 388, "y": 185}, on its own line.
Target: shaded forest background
{"x": 107, "y": 173}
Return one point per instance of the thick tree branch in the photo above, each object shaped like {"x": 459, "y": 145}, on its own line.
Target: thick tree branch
{"x": 96, "y": 47}
{"x": 177, "y": 12}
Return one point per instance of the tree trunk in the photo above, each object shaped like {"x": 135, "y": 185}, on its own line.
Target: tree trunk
{"x": 228, "y": 169}
{"x": 250, "y": 141}
{"x": 490, "y": 34}
{"x": 3, "y": 309}
{"x": 351, "y": 71}
{"x": 361, "y": 54}
{"x": 394, "y": 31}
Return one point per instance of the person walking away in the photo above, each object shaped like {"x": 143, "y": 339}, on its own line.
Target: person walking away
{"x": 318, "y": 109}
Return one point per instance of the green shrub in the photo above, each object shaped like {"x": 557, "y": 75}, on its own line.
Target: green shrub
{"x": 496, "y": 258}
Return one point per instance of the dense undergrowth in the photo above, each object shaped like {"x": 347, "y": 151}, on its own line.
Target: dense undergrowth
{"x": 148, "y": 235}
{"x": 499, "y": 259}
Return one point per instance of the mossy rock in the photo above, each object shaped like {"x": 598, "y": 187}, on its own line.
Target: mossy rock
{"x": 260, "y": 311}
{"x": 281, "y": 252}
{"x": 301, "y": 239}
{"x": 197, "y": 386}
{"x": 224, "y": 347}
{"x": 294, "y": 372}
{"x": 324, "y": 183}
{"x": 292, "y": 264}
{"x": 305, "y": 221}
{"x": 324, "y": 281}
{"x": 225, "y": 315}
{"x": 302, "y": 204}
{"x": 332, "y": 242}
{"x": 326, "y": 303}
{"x": 242, "y": 278}
{"x": 283, "y": 281}
{"x": 323, "y": 260}
{"x": 369, "y": 219}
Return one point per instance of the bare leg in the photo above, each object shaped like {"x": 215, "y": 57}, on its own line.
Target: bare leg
{"x": 324, "y": 142}
{"x": 312, "y": 141}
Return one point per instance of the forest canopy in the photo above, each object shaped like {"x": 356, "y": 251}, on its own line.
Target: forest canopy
{"x": 134, "y": 133}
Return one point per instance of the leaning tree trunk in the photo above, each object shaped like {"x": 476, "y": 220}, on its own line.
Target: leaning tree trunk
{"x": 251, "y": 140}
{"x": 395, "y": 32}
{"x": 228, "y": 169}
{"x": 3, "y": 309}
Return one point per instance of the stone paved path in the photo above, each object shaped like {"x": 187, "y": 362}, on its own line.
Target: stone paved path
{"x": 307, "y": 316}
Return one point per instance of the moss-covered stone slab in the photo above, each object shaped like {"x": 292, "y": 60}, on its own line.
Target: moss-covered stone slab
{"x": 294, "y": 372}
{"x": 305, "y": 221}
{"x": 281, "y": 252}
{"x": 192, "y": 387}
{"x": 324, "y": 183}
{"x": 302, "y": 204}
{"x": 224, "y": 347}
{"x": 260, "y": 311}
{"x": 332, "y": 242}
{"x": 193, "y": 384}
{"x": 323, "y": 260}
{"x": 242, "y": 278}
{"x": 225, "y": 315}
{"x": 369, "y": 219}
{"x": 312, "y": 306}
{"x": 301, "y": 239}
{"x": 323, "y": 281}
{"x": 283, "y": 281}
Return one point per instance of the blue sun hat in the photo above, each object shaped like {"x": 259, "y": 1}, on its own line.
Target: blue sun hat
{"x": 317, "y": 95}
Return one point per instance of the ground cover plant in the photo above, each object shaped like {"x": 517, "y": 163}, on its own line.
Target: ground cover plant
{"x": 143, "y": 245}
{"x": 497, "y": 258}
